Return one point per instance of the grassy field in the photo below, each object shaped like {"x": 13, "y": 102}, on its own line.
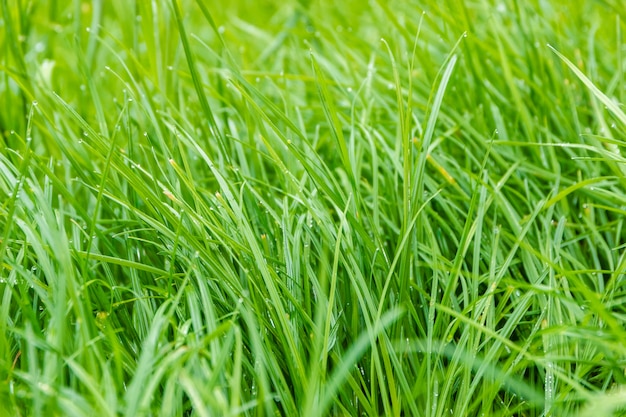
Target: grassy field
{"x": 312, "y": 208}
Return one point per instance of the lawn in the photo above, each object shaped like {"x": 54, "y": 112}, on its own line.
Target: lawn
{"x": 312, "y": 208}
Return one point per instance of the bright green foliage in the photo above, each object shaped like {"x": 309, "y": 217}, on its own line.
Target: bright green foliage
{"x": 316, "y": 208}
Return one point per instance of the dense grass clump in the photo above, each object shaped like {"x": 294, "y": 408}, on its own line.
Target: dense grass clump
{"x": 312, "y": 208}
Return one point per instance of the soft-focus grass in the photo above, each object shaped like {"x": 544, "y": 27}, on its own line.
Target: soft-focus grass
{"x": 309, "y": 208}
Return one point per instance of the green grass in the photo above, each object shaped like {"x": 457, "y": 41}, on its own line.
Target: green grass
{"x": 266, "y": 208}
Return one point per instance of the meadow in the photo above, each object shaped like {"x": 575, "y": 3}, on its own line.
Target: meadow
{"x": 312, "y": 208}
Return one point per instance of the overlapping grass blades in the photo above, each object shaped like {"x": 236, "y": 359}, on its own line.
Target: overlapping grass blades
{"x": 261, "y": 210}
